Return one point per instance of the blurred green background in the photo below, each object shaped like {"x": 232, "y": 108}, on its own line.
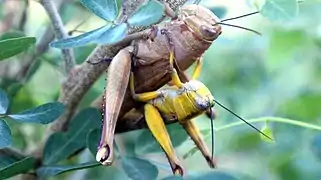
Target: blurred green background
{"x": 277, "y": 74}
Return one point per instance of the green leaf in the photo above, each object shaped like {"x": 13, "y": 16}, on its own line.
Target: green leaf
{"x": 177, "y": 177}
{"x": 81, "y": 40}
{"x": 93, "y": 139}
{"x": 46, "y": 171}
{"x": 43, "y": 114}
{"x": 105, "y": 9}
{"x": 267, "y": 130}
{"x": 17, "y": 167}
{"x": 280, "y": 10}
{"x": 12, "y": 34}
{"x": 146, "y": 142}
{"x": 62, "y": 145}
{"x": 4, "y": 102}
{"x": 283, "y": 45}
{"x": 5, "y": 134}
{"x": 14, "y": 46}
{"x": 304, "y": 107}
{"x": 147, "y": 14}
{"x": 112, "y": 35}
{"x": 316, "y": 146}
{"x": 139, "y": 169}
{"x": 8, "y": 157}
{"x": 212, "y": 175}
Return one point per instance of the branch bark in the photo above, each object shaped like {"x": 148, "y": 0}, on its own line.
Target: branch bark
{"x": 60, "y": 32}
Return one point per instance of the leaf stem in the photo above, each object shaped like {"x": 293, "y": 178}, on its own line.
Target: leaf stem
{"x": 262, "y": 119}
{"x": 272, "y": 119}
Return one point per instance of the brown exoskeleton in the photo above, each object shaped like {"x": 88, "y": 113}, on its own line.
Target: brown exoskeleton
{"x": 186, "y": 37}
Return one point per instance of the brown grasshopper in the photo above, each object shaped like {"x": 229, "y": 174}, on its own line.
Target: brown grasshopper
{"x": 188, "y": 36}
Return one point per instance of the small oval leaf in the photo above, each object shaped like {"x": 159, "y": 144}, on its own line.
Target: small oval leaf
{"x": 12, "y": 34}
{"x": 147, "y": 14}
{"x": 4, "y": 102}
{"x": 105, "y": 9}
{"x": 62, "y": 145}
{"x": 81, "y": 40}
{"x": 139, "y": 169}
{"x": 14, "y": 46}
{"x": 43, "y": 114}
{"x": 5, "y": 134}
{"x": 315, "y": 146}
{"x": 93, "y": 139}
{"x": 112, "y": 35}
{"x": 279, "y": 10}
{"x": 174, "y": 177}
{"x": 17, "y": 167}
{"x": 212, "y": 175}
{"x": 266, "y": 130}
{"x": 46, "y": 171}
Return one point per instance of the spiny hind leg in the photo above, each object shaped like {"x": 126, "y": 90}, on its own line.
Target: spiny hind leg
{"x": 193, "y": 131}
{"x": 117, "y": 82}
{"x": 157, "y": 127}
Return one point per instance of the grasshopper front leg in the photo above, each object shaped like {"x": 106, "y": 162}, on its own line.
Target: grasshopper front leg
{"x": 198, "y": 139}
{"x": 117, "y": 82}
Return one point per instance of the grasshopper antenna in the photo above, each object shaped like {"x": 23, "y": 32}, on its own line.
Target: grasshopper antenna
{"x": 80, "y": 24}
{"x": 238, "y": 17}
{"x": 243, "y": 120}
{"x": 241, "y": 27}
{"x": 212, "y": 131}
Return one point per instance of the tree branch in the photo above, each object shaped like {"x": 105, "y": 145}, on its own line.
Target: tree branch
{"x": 41, "y": 47}
{"x": 60, "y": 32}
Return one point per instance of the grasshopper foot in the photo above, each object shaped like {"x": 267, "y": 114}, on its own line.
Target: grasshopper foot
{"x": 211, "y": 162}
{"x": 178, "y": 170}
{"x": 104, "y": 156}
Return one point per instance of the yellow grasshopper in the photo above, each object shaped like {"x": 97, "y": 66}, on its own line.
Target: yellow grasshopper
{"x": 180, "y": 102}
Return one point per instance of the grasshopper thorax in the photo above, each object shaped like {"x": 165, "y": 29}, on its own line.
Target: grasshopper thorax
{"x": 201, "y": 21}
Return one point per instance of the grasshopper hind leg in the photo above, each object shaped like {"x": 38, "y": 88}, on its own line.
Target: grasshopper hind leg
{"x": 157, "y": 127}
{"x": 117, "y": 82}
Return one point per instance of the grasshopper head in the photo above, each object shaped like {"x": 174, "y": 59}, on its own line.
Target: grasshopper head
{"x": 201, "y": 95}
{"x": 201, "y": 21}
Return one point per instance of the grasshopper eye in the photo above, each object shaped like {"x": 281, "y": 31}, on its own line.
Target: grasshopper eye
{"x": 202, "y": 104}
{"x": 207, "y": 32}
{"x": 210, "y": 33}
